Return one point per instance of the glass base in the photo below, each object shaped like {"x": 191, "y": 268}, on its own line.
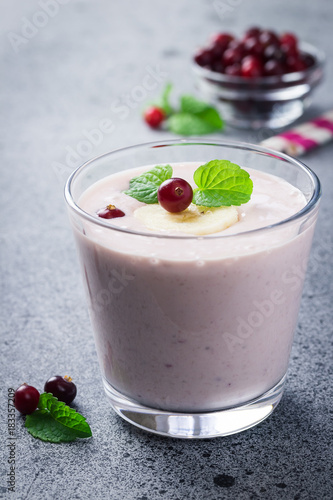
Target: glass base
{"x": 196, "y": 425}
{"x": 255, "y": 116}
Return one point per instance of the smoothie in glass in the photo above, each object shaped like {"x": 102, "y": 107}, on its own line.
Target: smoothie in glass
{"x": 195, "y": 326}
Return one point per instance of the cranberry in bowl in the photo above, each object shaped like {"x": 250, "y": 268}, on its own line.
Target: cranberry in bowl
{"x": 262, "y": 79}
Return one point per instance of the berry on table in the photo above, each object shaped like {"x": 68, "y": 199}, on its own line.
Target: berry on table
{"x": 62, "y": 388}
{"x": 175, "y": 195}
{"x": 110, "y": 212}
{"x": 26, "y": 399}
{"x": 154, "y": 116}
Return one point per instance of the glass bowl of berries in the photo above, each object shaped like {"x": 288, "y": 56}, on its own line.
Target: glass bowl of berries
{"x": 262, "y": 79}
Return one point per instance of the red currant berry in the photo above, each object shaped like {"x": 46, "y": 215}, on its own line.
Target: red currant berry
{"x": 26, "y": 399}
{"x": 254, "y": 31}
{"x": 232, "y": 56}
{"x": 219, "y": 43}
{"x": 154, "y": 116}
{"x": 273, "y": 68}
{"x": 218, "y": 66}
{"x": 251, "y": 67}
{"x": 289, "y": 50}
{"x": 295, "y": 64}
{"x": 237, "y": 44}
{"x": 221, "y": 40}
{"x": 274, "y": 52}
{"x": 62, "y": 388}
{"x": 204, "y": 57}
{"x": 110, "y": 212}
{"x": 253, "y": 46}
{"x": 175, "y": 194}
{"x": 307, "y": 59}
{"x": 267, "y": 37}
{"x": 289, "y": 39}
{"x": 233, "y": 70}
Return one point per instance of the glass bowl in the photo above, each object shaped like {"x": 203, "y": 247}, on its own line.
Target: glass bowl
{"x": 270, "y": 101}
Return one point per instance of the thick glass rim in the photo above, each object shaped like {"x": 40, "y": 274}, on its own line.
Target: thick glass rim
{"x": 316, "y": 194}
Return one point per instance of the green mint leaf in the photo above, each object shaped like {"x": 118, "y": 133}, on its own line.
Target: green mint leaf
{"x": 165, "y": 103}
{"x": 56, "y": 422}
{"x": 187, "y": 124}
{"x": 189, "y": 104}
{"x": 42, "y": 426}
{"x": 144, "y": 187}
{"x": 221, "y": 183}
{"x": 206, "y": 121}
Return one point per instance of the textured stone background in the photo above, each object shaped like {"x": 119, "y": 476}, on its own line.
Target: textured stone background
{"x": 71, "y": 73}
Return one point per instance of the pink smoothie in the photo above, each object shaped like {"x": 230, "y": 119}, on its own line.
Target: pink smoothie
{"x": 194, "y": 323}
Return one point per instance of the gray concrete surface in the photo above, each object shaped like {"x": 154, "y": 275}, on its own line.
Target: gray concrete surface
{"x": 58, "y": 81}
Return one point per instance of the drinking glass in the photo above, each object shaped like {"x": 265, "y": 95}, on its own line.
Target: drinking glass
{"x": 193, "y": 334}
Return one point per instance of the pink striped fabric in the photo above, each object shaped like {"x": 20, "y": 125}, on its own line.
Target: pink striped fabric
{"x": 323, "y": 123}
{"x": 300, "y": 140}
{"x": 305, "y": 137}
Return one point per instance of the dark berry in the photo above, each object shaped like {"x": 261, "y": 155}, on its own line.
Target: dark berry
{"x": 237, "y": 44}
{"x": 295, "y": 64}
{"x": 274, "y": 52}
{"x": 221, "y": 39}
{"x": 26, "y": 399}
{"x": 289, "y": 50}
{"x": 289, "y": 39}
{"x": 62, "y": 388}
{"x": 232, "y": 56}
{"x": 218, "y": 66}
{"x": 254, "y": 31}
{"x": 154, "y": 116}
{"x": 219, "y": 43}
{"x": 273, "y": 68}
{"x": 253, "y": 46}
{"x": 307, "y": 59}
{"x": 204, "y": 57}
{"x": 251, "y": 67}
{"x": 175, "y": 194}
{"x": 258, "y": 53}
{"x": 267, "y": 37}
{"x": 110, "y": 212}
{"x": 233, "y": 70}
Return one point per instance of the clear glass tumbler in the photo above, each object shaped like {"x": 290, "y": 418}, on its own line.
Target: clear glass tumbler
{"x": 193, "y": 334}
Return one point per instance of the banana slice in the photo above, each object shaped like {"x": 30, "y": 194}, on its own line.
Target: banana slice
{"x": 194, "y": 220}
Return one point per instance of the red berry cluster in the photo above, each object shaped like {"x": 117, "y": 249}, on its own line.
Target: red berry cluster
{"x": 258, "y": 53}
{"x": 26, "y": 396}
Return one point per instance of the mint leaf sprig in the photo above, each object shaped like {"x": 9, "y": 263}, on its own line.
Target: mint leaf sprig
{"x": 164, "y": 100}
{"x": 144, "y": 187}
{"x": 56, "y": 422}
{"x": 192, "y": 117}
{"x": 219, "y": 183}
